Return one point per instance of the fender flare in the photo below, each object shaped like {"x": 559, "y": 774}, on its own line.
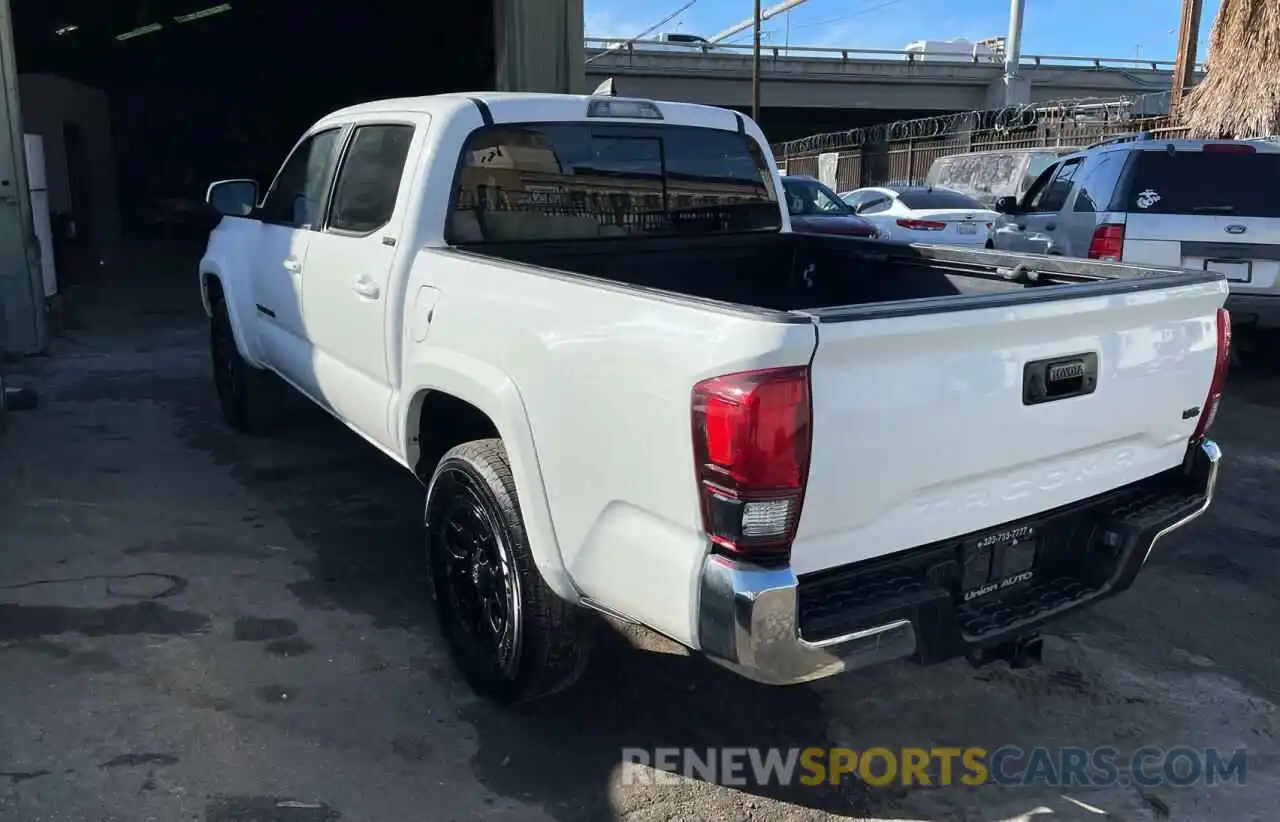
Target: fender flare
{"x": 235, "y": 307}
{"x": 496, "y": 394}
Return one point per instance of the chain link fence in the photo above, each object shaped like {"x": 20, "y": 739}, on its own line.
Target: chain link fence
{"x": 902, "y": 152}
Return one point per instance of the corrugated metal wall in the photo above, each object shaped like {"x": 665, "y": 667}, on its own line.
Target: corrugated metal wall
{"x": 538, "y": 45}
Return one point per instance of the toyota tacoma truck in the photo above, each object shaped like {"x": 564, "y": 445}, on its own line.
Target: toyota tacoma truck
{"x": 585, "y": 325}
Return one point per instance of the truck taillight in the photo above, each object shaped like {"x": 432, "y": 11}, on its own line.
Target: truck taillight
{"x": 1107, "y": 243}
{"x": 1219, "y": 381}
{"x": 752, "y": 433}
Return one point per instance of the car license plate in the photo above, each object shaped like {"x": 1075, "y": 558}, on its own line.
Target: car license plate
{"x": 997, "y": 561}
{"x": 1234, "y": 270}
{"x": 967, "y": 228}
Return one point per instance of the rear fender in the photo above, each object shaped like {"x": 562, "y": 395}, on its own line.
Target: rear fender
{"x": 494, "y": 393}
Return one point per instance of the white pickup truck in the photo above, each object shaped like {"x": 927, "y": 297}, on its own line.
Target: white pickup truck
{"x": 584, "y": 323}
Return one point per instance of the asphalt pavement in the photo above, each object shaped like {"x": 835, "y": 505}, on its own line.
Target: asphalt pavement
{"x": 200, "y": 626}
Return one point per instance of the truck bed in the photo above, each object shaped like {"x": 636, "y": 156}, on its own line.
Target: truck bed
{"x": 931, "y": 364}
{"x": 808, "y": 273}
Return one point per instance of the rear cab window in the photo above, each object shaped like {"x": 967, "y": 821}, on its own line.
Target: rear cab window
{"x": 582, "y": 180}
{"x": 1230, "y": 182}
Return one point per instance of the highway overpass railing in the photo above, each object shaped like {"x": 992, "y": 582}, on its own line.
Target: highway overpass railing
{"x": 599, "y": 47}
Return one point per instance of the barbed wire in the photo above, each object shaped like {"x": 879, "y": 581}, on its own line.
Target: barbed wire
{"x": 1007, "y": 119}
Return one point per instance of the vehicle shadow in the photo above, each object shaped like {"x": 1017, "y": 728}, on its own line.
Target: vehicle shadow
{"x": 361, "y": 517}
{"x": 565, "y": 752}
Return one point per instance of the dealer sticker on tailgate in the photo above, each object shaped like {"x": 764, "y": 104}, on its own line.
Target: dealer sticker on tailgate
{"x": 997, "y": 561}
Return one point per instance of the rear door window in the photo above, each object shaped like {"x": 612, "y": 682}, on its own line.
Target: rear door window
{"x": 1098, "y": 181}
{"x": 857, "y": 198}
{"x": 1204, "y": 183}
{"x": 812, "y": 197}
{"x": 1055, "y": 194}
{"x": 1037, "y": 162}
{"x": 556, "y": 181}
{"x": 1035, "y": 195}
{"x": 881, "y": 202}
{"x": 369, "y": 180}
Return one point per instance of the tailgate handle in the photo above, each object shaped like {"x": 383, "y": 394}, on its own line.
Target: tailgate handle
{"x": 1059, "y": 378}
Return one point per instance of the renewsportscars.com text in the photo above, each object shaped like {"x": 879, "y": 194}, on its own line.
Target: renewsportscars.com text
{"x": 1006, "y": 766}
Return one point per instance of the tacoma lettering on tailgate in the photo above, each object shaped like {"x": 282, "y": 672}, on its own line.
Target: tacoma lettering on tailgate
{"x": 1021, "y": 484}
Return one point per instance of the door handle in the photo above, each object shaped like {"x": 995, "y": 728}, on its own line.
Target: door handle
{"x": 1022, "y": 226}
{"x": 293, "y": 266}
{"x": 1050, "y": 226}
{"x": 366, "y": 288}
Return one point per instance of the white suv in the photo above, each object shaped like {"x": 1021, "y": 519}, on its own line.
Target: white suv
{"x": 1203, "y": 204}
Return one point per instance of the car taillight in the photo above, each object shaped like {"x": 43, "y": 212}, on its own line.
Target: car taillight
{"x": 1219, "y": 382}
{"x": 1107, "y": 243}
{"x": 751, "y": 441}
{"x": 922, "y": 225}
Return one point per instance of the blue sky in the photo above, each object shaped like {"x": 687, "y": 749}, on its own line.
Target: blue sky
{"x": 1118, "y": 28}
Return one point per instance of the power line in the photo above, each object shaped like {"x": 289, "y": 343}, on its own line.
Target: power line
{"x": 622, "y": 44}
{"x": 844, "y": 17}
{"x": 749, "y": 23}
{"x": 829, "y": 20}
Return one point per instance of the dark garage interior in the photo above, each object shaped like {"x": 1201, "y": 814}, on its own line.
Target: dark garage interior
{"x": 197, "y": 90}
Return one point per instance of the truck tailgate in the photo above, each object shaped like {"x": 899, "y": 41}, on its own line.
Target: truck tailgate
{"x": 932, "y": 425}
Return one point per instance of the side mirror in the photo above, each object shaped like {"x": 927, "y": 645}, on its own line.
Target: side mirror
{"x": 233, "y": 198}
{"x": 1007, "y": 205}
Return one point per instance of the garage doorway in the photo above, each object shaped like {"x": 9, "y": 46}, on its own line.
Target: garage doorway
{"x": 197, "y": 90}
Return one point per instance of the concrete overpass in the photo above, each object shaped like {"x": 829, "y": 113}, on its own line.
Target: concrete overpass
{"x": 885, "y": 81}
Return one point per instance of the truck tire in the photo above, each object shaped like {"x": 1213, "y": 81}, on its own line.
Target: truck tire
{"x": 243, "y": 391}
{"x": 511, "y": 636}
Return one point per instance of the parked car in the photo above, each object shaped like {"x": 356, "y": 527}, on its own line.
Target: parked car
{"x": 1202, "y": 204}
{"x": 989, "y": 175}
{"x": 923, "y": 214}
{"x": 760, "y": 443}
{"x": 816, "y": 209}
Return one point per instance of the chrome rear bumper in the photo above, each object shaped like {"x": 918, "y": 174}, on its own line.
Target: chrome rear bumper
{"x": 749, "y": 621}
{"x": 749, "y": 618}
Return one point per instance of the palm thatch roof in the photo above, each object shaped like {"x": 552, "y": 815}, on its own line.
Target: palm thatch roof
{"x": 1240, "y": 93}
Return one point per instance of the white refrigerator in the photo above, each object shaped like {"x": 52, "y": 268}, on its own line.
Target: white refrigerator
{"x": 39, "y": 183}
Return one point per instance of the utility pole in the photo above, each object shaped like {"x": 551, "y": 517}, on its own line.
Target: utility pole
{"x": 755, "y": 66}
{"x": 1013, "y": 91}
{"x": 1184, "y": 69}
